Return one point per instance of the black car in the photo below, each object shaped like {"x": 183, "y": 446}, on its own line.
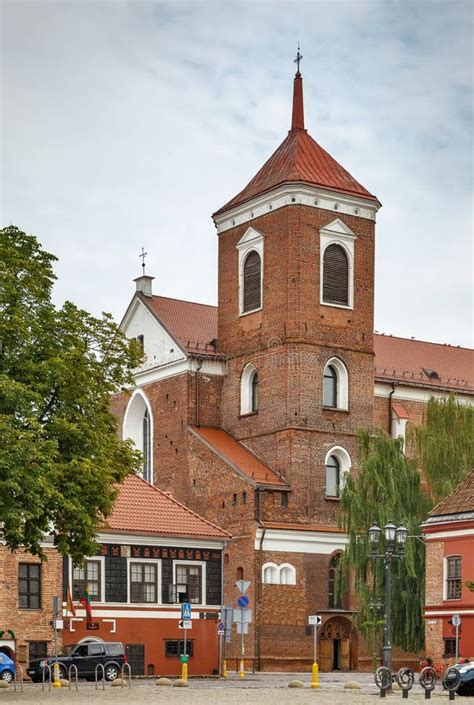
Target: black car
{"x": 466, "y": 678}
{"x": 86, "y": 657}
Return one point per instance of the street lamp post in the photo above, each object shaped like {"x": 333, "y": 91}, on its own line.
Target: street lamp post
{"x": 394, "y": 547}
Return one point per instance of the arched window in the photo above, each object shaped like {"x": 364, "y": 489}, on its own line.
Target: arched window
{"x": 334, "y": 600}
{"x": 335, "y": 384}
{"x": 270, "y": 574}
{"x": 287, "y": 574}
{"x": 249, "y": 390}
{"x": 333, "y": 476}
{"x": 338, "y": 464}
{"x": 335, "y": 275}
{"x": 239, "y": 574}
{"x": 252, "y": 299}
{"x": 137, "y": 426}
{"x": 330, "y": 386}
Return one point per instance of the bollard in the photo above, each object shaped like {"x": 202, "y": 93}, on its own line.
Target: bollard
{"x": 427, "y": 681}
{"x": 315, "y": 676}
{"x": 241, "y": 669}
{"x": 224, "y": 669}
{"x": 405, "y": 679}
{"x": 451, "y": 681}
{"x": 184, "y": 672}
{"x": 56, "y": 681}
{"x": 383, "y": 680}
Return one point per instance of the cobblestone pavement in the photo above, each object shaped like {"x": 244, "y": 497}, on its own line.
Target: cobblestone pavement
{"x": 258, "y": 689}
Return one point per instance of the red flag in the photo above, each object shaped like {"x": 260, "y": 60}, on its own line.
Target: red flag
{"x": 85, "y": 601}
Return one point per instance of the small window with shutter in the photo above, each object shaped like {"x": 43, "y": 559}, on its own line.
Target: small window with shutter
{"x": 335, "y": 275}
{"x": 252, "y": 298}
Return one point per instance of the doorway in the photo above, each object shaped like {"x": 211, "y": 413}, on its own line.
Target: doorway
{"x": 334, "y": 646}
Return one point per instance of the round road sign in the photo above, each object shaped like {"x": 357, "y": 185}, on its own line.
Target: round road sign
{"x": 243, "y": 601}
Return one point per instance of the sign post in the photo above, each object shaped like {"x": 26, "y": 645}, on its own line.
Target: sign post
{"x": 243, "y": 617}
{"x": 456, "y": 620}
{"x": 186, "y": 620}
{"x": 227, "y": 620}
{"x": 56, "y": 681}
{"x": 315, "y": 621}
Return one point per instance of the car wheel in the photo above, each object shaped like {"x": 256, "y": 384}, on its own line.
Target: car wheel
{"x": 7, "y": 676}
{"x": 111, "y": 672}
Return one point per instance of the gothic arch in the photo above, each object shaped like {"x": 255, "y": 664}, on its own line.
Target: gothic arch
{"x": 138, "y": 426}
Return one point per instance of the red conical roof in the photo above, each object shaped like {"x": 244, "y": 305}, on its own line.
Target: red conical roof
{"x": 299, "y": 158}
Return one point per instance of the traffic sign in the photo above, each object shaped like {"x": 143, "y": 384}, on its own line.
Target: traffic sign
{"x": 243, "y": 601}
{"x": 227, "y": 619}
{"x": 185, "y": 624}
{"x": 242, "y": 628}
{"x": 243, "y": 616}
{"x": 456, "y": 619}
{"x": 315, "y": 620}
{"x": 242, "y": 585}
{"x": 221, "y": 626}
{"x": 186, "y": 610}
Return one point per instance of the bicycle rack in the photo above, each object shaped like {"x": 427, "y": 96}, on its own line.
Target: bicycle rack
{"x": 18, "y": 669}
{"x": 427, "y": 680}
{"x": 405, "y": 679}
{"x": 47, "y": 668}
{"x": 100, "y": 665}
{"x": 73, "y": 669}
{"x": 383, "y": 680}
{"x": 126, "y": 667}
{"x": 451, "y": 680}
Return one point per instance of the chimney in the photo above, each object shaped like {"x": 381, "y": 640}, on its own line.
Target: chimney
{"x": 144, "y": 284}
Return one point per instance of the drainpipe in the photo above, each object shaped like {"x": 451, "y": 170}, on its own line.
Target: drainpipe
{"x": 258, "y": 600}
{"x": 198, "y": 376}
{"x": 390, "y": 410}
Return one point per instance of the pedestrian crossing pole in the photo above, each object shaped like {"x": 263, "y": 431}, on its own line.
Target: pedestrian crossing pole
{"x": 315, "y": 620}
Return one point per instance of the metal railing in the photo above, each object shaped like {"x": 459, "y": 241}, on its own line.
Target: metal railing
{"x": 47, "y": 668}
{"x": 18, "y": 669}
{"x": 73, "y": 669}
{"x": 100, "y": 665}
{"x": 126, "y": 668}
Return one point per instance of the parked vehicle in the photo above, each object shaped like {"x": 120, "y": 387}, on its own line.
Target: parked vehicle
{"x": 86, "y": 657}
{"x": 7, "y": 668}
{"x": 466, "y": 683}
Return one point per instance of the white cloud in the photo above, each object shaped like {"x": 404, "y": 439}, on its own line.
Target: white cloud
{"x": 129, "y": 123}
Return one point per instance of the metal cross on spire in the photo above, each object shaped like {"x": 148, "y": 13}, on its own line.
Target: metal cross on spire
{"x": 142, "y": 256}
{"x": 298, "y": 59}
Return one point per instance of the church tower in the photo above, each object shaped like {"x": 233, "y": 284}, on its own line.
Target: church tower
{"x": 296, "y": 317}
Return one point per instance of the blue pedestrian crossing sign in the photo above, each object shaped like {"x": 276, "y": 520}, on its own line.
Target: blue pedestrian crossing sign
{"x": 185, "y": 610}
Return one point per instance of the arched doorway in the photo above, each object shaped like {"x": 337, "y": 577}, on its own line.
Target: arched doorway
{"x": 335, "y": 645}
{"x": 7, "y": 650}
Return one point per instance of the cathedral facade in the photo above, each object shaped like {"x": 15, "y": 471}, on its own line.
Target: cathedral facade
{"x": 247, "y": 412}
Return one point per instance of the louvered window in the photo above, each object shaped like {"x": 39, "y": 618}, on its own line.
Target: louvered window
{"x": 252, "y": 298}
{"x": 335, "y": 276}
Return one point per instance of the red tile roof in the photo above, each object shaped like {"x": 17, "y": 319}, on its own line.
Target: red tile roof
{"x": 458, "y": 502}
{"x": 400, "y": 411}
{"x": 192, "y": 325}
{"x": 325, "y": 528}
{"x": 237, "y": 455}
{"x": 142, "y": 508}
{"x": 412, "y": 361}
{"x": 299, "y": 159}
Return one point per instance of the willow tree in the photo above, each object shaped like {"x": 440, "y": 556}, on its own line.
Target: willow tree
{"x": 444, "y": 446}
{"x": 387, "y": 487}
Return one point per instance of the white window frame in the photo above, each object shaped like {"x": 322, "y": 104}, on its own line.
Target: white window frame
{"x": 445, "y": 577}
{"x": 100, "y": 559}
{"x": 345, "y": 465}
{"x": 178, "y": 562}
{"x": 292, "y": 573}
{"x": 342, "y": 383}
{"x": 277, "y": 573}
{"x": 337, "y": 233}
{"x": 246, "y": 380}
{"x": 155, "y": 561}
{"x": 125, "y": 435}
{"x": 251, "y": 240}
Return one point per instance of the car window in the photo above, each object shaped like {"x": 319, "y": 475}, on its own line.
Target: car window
{"x": 66, "y": 650}
{"x": 96, "y": 649}
{"x": 114, "y": 649}
{"x": 81, "y": 650}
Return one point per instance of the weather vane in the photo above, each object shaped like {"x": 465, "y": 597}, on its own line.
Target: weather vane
{"x": 298, "y": 59}
{"x": 142, "y": 256}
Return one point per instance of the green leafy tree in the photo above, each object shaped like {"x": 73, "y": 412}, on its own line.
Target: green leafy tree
{"x": 444, "y": 446}
{"x": 60, "y": 455}
{"x": 387, "y": 487}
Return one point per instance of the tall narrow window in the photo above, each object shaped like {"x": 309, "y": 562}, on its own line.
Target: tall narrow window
{"x": 29, "y": 586}
{"x": 335, "y": 276}
{"x": 255, "y": 391}
{"x": 143, "y": 582}
{"x": 330, "y": 386}
{"x": 88, "y": 576}
{"x": 146, "y": 447}
{"x": 252, "y": 282}
{"x": 334, "y": 601}
{"x": 453, "y": 578}
{"x": 333, "y": 477}
{"x": 138, "y": 426}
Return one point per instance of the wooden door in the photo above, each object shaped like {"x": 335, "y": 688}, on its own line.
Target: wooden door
{"x": 344, "y": 655}
{"x": 325, "y": 655}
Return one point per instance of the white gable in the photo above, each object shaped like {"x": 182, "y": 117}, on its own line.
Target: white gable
{"x": 339, "y": 228}
{"x": 250, "y": 235}
{"x": 159, "y": 346}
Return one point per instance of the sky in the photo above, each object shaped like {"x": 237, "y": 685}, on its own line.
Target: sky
{"x": 127, "y": 124}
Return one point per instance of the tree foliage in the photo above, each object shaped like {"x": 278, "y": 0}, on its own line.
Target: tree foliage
{"x": 60, "y": 454}
{"x": 387, "y": 487}
{"x": 444, "y": 447}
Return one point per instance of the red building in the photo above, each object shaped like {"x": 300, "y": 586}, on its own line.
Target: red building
{"x": 156, "y": 553}
{"x": 449, "y": 536}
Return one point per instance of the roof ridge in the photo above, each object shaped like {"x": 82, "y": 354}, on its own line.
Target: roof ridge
{"x": 180, "y": 504}
{"x": 453, "y": 346}
{"x": 183, "y": 301}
